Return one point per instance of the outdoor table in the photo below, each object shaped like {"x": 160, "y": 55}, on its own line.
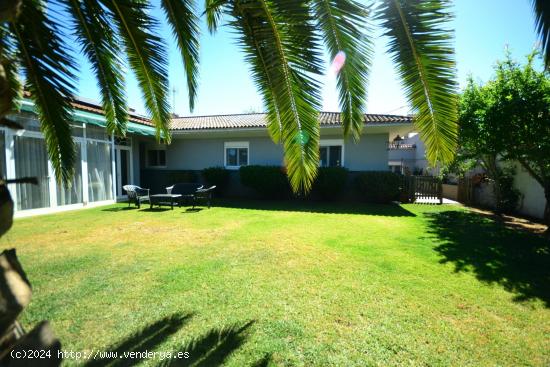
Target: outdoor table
{"x": 164, "y": 199}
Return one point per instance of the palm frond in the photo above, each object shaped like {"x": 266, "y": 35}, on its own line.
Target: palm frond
{"x": 343, "y": 24}
{"x": 542, "y": 25}
{"x": 279, "y": 41}
{"x": 48, "y": 70}
{"x": 421, "y": 49}
{"x": 93, "y": 32}
{"x": 185, "y": 26}
{"x": 10, "y": 85}
{"x": 146, "y": 56}
{"x": 214, "y": 10}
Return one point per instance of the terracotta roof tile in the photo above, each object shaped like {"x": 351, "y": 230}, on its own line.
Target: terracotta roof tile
{"x": 236, "y": 121}
{"x": 84, "y": 106}
{"x": 255, "y": 120}
{"x": 96, "y": 108}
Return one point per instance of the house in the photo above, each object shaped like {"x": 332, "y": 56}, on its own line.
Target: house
{"x": 105, "y": 163}
{"x": 407, "y": 155}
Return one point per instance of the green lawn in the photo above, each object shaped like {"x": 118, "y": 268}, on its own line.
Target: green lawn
{"x": 291, "y": 284}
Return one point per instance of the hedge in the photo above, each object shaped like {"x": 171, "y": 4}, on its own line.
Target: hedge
{"x": 379, "y": 186}
{"x": 269, "y": 182}
{"x": 218, "y": 176}
{"x": 330, "y": 183}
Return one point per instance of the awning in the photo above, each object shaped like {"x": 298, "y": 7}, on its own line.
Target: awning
{"x": 98, "y": 120}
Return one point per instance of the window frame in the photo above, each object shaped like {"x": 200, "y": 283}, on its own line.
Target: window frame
{"x": 330, "y": 143}
{"x": 156, "y": 149}
{"x": 236, "y": 145}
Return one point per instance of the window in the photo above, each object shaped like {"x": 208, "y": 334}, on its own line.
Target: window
{"x": 236, "y": 154}
{"x": 97, "y": 132}
{"x": 29, "y": 121}
{"x": 77, "y": 130}
{"x": 331, "y": 153}
{"x": 123, "y": 140}
{"x": 156, "y": 158}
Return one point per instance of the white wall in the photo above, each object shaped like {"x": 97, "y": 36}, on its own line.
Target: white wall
{"x": 532, "y": 201}
{"x": 533, "y": 194}
{"x": 370, "y": 153}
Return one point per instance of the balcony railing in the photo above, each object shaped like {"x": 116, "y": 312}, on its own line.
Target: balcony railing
{"x": 401, "y": 146}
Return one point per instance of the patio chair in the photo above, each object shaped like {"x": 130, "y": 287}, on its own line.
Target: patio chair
{"x": 186, "y": 190}
{"x": 136, "y": 194}
{"x": 205, "y": 195}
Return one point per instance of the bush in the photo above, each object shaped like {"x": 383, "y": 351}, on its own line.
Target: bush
{"x": 269, "y": 182}
{"x": 509, "y": 195}
{"x": 330, "y": 183}
{"x": 181, "y": 176}
{"x": 379, "y": 186}
{"x": 218, "y": 176}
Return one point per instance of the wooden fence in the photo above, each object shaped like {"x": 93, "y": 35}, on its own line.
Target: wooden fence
{"x": 466, "y": 191}
{"x": 423, "y": 188}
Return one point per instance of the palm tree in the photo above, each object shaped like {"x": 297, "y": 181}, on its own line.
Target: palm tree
{"x": 282, "y": 41}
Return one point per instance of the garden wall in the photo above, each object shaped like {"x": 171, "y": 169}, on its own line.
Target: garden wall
{"x": 532, "y": 199}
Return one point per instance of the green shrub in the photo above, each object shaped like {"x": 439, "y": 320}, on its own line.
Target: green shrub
{"x": 330, "y": 183}
{"x": 269, "y": 182}
{"x": 218, "y": 176}
{"x": 509, "y": 195}
{"x": 182, "y": 176}
{"x": 379, "y": 186}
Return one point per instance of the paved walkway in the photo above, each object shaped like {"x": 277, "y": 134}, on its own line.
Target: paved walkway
{"x": 435, "y": 201}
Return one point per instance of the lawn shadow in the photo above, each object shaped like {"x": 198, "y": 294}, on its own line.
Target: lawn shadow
{"x": 517, "y": 260}
{"x": 192, "y": 210}
{"x": 309, "y": 206}
{"x": 146, "y": 339}
{"x": 155, "y": 210}
{"x": 214, "y": 347}
{"x": 211, "y": 349}
{"x": 120, "y": 208}
{"x": 262, "y": 362}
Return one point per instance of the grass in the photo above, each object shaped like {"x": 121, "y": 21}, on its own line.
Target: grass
{"x": 260, "y": 283}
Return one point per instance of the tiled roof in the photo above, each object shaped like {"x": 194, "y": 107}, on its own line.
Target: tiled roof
{"x": 258, "y": 120}
{"x": 235, "y": 121}
{"x": 90, "y": 106}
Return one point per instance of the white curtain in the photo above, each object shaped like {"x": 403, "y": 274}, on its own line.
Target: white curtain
{"x": 72, "y": 192}
{"x": 31, "y": 160}
{"x": 2, "y": 155}
{"x": 99, "y": 171}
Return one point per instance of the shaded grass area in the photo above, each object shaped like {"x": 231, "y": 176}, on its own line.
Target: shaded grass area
{"x": 516, "y": 260}
{"x": 289, "y": 283}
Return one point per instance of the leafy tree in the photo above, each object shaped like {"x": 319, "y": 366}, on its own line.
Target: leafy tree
{"x": 522, "y": 102}
{"x": 480, "y": 134}
{"x": 508, "y": 118}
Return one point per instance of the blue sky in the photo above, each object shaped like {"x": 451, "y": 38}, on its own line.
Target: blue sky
{"x": 483, "y": 29}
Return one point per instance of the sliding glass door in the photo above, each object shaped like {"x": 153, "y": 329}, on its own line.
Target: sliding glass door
{"x": 71, "y": 193}
{"x": 123, "y": 164}
{"x": 100, "y": 179}
{"x": 31, "y": 160}
{"x": 23, "y": 154}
